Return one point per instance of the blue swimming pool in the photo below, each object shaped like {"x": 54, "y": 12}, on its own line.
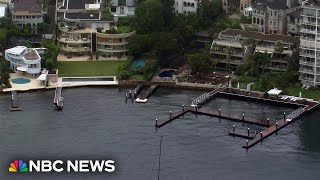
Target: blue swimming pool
{"x": 166, "y": 74}
{"x": 20, "y": 81}
{"x": 137, "y": 64}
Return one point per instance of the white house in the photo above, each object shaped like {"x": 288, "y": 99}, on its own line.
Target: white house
{"x": 24, "y": 59}
{"x": 186, "y": 6}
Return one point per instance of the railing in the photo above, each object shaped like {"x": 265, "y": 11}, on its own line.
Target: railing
{"x": 296, "y": 113}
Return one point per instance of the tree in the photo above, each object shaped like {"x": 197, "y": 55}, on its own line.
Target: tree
{"x": 199, "y": 62}
{"x": 149, "y": 17}
{"x": 150, "y": 68}
{"x": 168, "y": 12}
{"x": 229, "y": 52}
{"x": 207, "y": 11}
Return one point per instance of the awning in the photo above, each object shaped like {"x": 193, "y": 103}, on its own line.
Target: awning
{"x": 21, "y": 68}
{"x": 274, "y": 91}
{"x": 42, "y": 77}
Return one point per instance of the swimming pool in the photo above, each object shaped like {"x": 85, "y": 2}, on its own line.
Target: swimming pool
{"x": 166, "y": 74}
{"x": 20, "y": 81}
{"x": 137, "y": 64}
{"x": 80, "y": 79}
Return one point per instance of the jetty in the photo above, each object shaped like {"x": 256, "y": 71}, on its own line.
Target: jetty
{"x": 214, "y": 113}
{"x": 58, "y": 99}
{"x": 252, "y": 137}
{"x": 14, "y": 103}
{"x": 143, "y": 98}
{"x": 135, "y": 92}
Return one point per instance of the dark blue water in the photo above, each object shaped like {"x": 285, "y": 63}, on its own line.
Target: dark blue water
{"x": 96, "y": 123}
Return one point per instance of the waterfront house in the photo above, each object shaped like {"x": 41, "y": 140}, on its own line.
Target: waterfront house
{"x": 239, "y": 44}
{"x": 27, "y": 13}
{"x": 85, "y": 30}
{"x": 270, "y": 16}
{"x": 24, "y": 59}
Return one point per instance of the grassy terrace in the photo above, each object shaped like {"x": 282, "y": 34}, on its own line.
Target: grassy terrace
{"x": 89, "y": 68}
{"x": 123, "y": 29}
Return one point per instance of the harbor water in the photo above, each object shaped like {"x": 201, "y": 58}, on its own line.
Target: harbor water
{"x": 97, "y": 123}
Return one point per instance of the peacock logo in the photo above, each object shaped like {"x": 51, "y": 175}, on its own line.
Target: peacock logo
{"x": 18, "y": 166}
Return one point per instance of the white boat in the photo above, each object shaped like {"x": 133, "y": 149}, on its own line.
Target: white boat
{"x": 141, "y": 100}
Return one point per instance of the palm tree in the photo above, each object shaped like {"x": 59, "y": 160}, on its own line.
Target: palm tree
{"x": 279, "y": 47}
{"x": 214, "y": 47}
{"x": 229, "y": 51}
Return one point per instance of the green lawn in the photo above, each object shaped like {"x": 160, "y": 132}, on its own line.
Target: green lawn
{"x": 294, "y": 91}
{"x": 123, "y": 29}
{"x": 88, "y": 68}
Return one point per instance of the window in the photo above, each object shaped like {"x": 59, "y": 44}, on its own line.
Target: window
{"x": 113, "y": 9}
{"x": 188, "y": 4}
{"x": 276, "y": 13}
{"x": 258, "y": 21}
{"x": 192, "y": 4}
{"x": 184, "y": 3}
{"x": 254, "y": 20}
{"x": 270, "y": 13}
{"x": 262, "y": 22}
{"x": 270, "y": 23}
{"x": 241, "y": 7}
{"x": 275, "y": 32}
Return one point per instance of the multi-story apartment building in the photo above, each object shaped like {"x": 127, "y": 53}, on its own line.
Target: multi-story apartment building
{"x": 238, "y": 40}
{"x": 186, "y": 6}
{"x": 123, "y": 7}
{"x": 294, "y": 23}
{"x": 83, "y": 32}
{"x": 270, "y": 16}
{"x": 24, "y": 59}
{"x": 27, "y": 12}
{"x": 310, "y": 44}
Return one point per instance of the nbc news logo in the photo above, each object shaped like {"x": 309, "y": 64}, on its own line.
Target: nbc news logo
{"x": 61, "y": 166}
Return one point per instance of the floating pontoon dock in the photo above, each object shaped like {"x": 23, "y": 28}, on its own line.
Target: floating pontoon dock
{"x": 143, "y": 97}
{"x": 14, "y": 103}
{"x": 58, "y": 99}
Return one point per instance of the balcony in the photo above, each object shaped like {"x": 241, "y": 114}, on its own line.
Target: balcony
{"x": 74, "y": 40}
{"x": 306, "y": 63}
{"x": 75, "y": 49}
{"x": 74, "y": 29}
{"x": 278, "y": 67}
{"x": 303, "y": 78}
{"x": 111, "y": 50}
{"x": 232, "y": 61}
{"x": 311, "y": 55}
{"x": 306, "y": 71}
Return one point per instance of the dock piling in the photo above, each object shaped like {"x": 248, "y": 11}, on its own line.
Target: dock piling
{"x": 261, "y": 134}
{"x": 247, "y": 142}
{"x": 248, "y": 131}
{"x": 243, "y": 119}
{"x": 182, "y": 107}
{"x": 170, "y": 114}
{"x": 219, "y": 112}
{"x": 233, "y": 128}
{"x": 284, "y": 117}
{"x": 268, "y": 120}
{"x": 156, "y": 123}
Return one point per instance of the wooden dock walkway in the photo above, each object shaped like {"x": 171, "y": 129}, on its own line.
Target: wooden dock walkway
{"x": 135, "y": 92}
{"x": 205, "y": 97}
{"x": 242, "y": 133}
{"x": 143, "y": 98}
{"x": 280, "y": 124}
{"x": 213, "y": 113}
